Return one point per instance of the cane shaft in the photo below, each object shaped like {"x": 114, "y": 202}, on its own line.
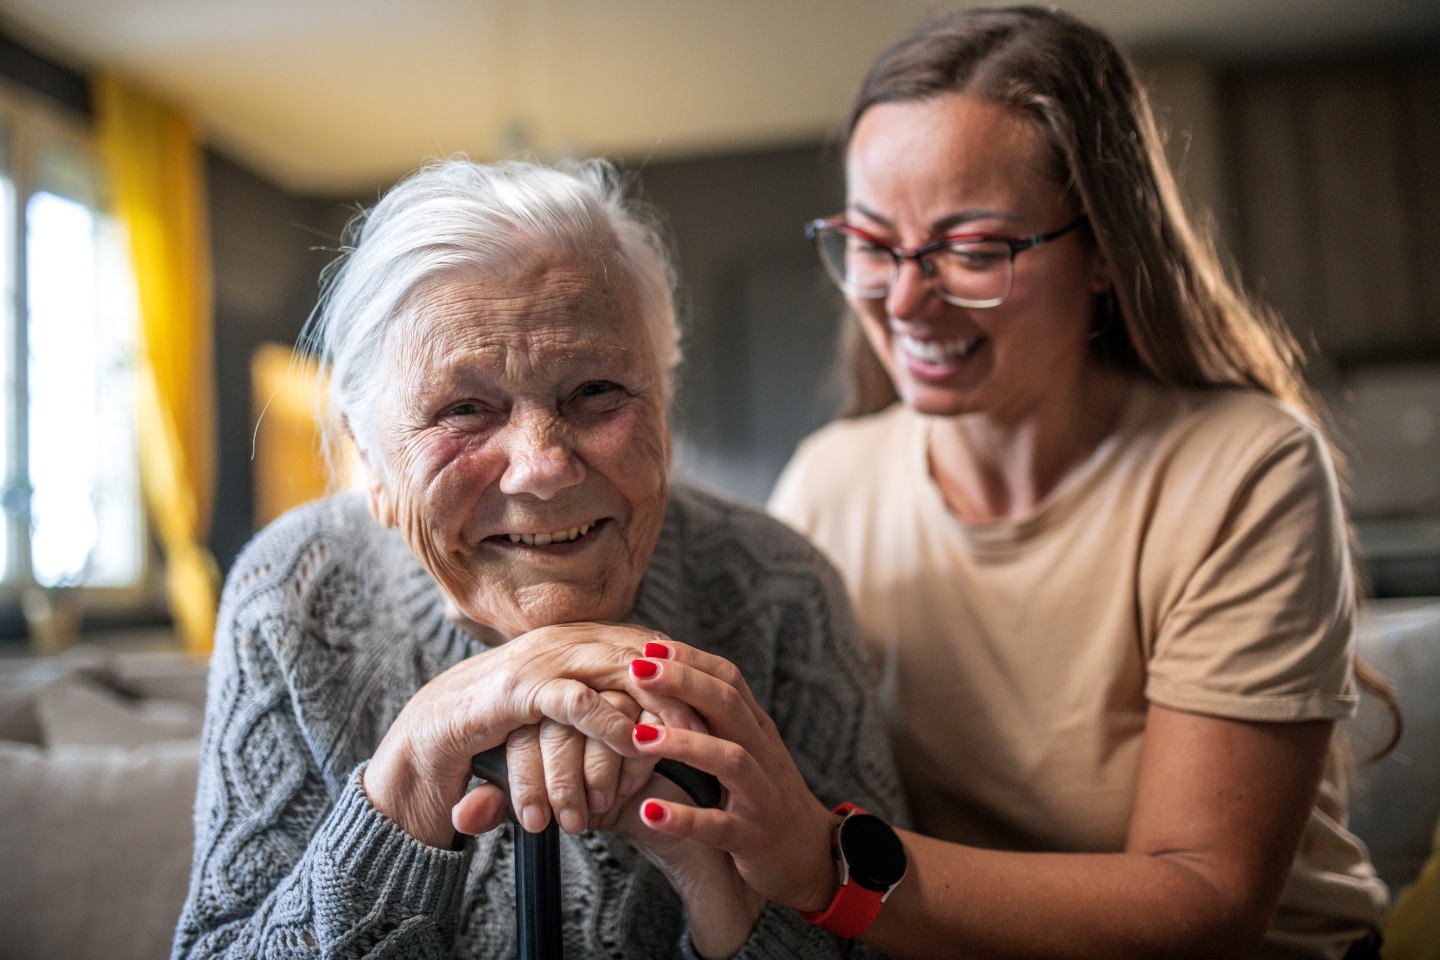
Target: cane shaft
{"x": 537, "y": 856}
{"x": 537, "y": 893}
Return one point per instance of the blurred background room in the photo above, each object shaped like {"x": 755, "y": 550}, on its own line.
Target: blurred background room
{"x": 176, "y": 174}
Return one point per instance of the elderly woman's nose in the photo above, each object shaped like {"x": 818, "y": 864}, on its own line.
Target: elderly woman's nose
{"x": 541, "y": 462}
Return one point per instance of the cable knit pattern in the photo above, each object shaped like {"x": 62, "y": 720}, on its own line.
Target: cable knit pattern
{"x": 328, "y": 626}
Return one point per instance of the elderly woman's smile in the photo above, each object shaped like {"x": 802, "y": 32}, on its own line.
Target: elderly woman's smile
{"x": 524, "y": 450}
{"x": 546, "y": 539}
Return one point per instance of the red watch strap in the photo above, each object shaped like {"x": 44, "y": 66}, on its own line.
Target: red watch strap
{"x": 850, "y": 913}
{"x": 854, "y": 908}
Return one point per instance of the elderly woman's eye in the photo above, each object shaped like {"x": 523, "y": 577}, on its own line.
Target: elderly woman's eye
{"x": 595, "y": 397}
{"x": 465, "y": 409}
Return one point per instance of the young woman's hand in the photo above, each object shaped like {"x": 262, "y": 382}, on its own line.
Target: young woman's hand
{"x": 775, "y": 831}
{"x": 722, "y": 909}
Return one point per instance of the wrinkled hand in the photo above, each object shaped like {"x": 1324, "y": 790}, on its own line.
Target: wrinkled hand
{"x": 555, "y": 768}
{"x": 568, "y": 682}
{"x": 772, "y": 827}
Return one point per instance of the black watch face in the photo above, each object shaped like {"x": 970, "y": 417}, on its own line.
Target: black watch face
{"x": 873, "y": 851}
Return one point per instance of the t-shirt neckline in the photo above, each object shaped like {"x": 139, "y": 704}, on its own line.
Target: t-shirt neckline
{"x": 1009, "y": 535}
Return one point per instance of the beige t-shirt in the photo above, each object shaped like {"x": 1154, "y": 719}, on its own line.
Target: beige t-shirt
{"x": 1198, "y": 560}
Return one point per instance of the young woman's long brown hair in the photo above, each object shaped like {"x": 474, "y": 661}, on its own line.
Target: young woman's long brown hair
{"x": 1173, "y": 315}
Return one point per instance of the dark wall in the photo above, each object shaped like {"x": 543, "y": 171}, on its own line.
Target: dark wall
{"x": 63, "y": 86}
{"x": 1336, "y": 177}
{"x": 758, "y": 312}
{"x": 268, "y": 248}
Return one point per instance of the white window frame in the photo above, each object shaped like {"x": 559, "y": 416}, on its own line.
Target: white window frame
{"x": 32, "y": 124}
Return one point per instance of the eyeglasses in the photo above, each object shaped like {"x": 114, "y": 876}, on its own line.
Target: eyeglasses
{"x": 967, "y": 269}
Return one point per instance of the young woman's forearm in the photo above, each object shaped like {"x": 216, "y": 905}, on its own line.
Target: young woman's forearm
{"x": 1219, "y": 809}
{"x": 965, "y": 902}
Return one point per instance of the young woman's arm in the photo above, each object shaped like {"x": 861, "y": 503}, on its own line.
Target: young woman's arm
{"x": 1219, "y": 809}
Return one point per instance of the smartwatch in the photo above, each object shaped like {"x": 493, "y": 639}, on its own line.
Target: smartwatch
{"x": 872, "y": 863}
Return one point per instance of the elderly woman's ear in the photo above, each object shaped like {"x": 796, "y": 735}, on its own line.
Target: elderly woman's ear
{"x": 376, "y": 496}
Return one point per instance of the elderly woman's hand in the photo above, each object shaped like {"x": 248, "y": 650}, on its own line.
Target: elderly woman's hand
{"x": 553, "y": 680}
{"x": 553, "y": 767}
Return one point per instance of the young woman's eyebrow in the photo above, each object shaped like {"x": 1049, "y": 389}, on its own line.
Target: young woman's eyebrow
{"x": 945, "y": 224}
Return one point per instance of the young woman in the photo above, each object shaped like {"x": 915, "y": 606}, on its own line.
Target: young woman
{"x": 1097, "y": 543}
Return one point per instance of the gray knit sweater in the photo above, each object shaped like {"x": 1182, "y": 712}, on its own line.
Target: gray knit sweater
{"x": 328, "y": 625}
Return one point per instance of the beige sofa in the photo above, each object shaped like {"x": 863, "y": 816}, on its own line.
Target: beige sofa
{"x": 98, "y": 762}
{"x": 98, "y": 755}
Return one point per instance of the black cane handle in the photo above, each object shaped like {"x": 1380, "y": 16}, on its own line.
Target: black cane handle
{"x": 702, "y": 787}
{"x": 491, "y": 766}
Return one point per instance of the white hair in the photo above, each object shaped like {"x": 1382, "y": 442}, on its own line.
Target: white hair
{"x": 456, "y": 214}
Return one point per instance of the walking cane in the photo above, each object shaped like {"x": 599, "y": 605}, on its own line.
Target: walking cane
{"x": 537, "y": 855}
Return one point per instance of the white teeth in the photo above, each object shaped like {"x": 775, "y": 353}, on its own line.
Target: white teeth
{"x": 545, "y": 539}
{"x": 936, "y": 351}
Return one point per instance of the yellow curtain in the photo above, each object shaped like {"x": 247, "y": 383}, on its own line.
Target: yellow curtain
{"x": 155, "y": 168}
{"x": 1413, "y": 930}
{"x": 287, "y": 387}
{"x": 285, "y": 391}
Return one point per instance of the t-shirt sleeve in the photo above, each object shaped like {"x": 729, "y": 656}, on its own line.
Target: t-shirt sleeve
{"x": 1259, "y": 623}
{"x": 793, "y": 497}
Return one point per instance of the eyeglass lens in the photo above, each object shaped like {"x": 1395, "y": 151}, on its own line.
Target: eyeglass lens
{"x": 969, "y": 273}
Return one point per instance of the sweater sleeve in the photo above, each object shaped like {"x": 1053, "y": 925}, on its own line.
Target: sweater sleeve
{"x": 286, "y": 865}
{"x": 825, "y": 703}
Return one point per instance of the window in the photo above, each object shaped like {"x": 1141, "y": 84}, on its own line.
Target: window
{"x": 71, "y": 496}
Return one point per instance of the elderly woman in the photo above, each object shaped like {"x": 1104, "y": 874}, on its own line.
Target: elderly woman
{"x": 500, "y": 341}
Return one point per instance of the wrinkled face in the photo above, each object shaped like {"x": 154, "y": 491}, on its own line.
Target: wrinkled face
{"x": 521, "y": 444}
{"x": 917, "y": 171}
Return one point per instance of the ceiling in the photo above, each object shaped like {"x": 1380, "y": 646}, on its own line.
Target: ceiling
{"x": 330, "y": 96}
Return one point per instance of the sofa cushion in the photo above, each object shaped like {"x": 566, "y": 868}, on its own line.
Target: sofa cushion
{"x": 97, "y": 785}
{"x": 21, "y": 681}
{"x": 96, "y": 843}
{"x": 1413, "y": 930}
{"x": 79, "y": 711}
{"x": 1395, "y": 803}
{"x": 136, "y": 678}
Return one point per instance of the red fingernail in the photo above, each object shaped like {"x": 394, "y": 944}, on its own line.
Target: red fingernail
{"x": 652, "y": 811}
{"x": 646, "y": 733}
{"x": 657, "y": 650}
{"x": 644, "y": 668}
